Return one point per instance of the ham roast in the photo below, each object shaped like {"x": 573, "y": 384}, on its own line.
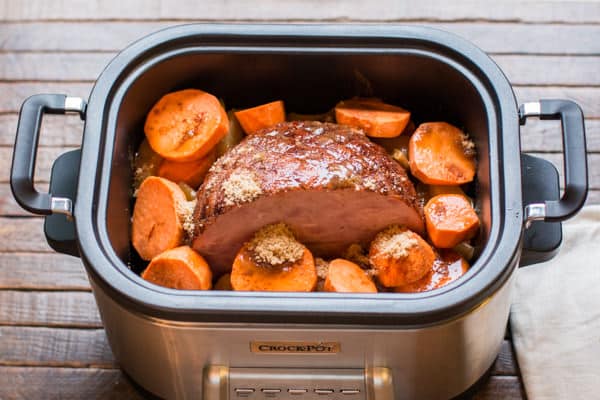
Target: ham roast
{"x": 329, "y": 183}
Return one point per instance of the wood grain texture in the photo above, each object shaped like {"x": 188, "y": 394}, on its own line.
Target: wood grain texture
{"x": 8, "y": 204}
{"x": 15, "y": 93}
{"x": 57, "y": 130}
{"x": 29, "y": 271}
{"x": 22, "y": 235}
{"x": 18, "y": 383}
{"x": 387, "y": 10}
{"x": 587, "y": 98}
{"x": 45, "y": 158}
{"x": 559, "y": 39}
{"x": 538, "y": 135}
{"x": 520, "y": 69}
{"x": 593, "y": 167}
{"x": 53, "y": 309}
{"x": 29, "y": 346}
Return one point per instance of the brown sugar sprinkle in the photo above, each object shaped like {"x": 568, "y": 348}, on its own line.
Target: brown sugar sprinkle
{"x": 275, "y": 245}
{"x": 185, "y": 211}
{"x": 395, "y": 242}
{"x": 468, "y": 145}
{"x": 240, "y": 187}
{"x": 322, "y": 267}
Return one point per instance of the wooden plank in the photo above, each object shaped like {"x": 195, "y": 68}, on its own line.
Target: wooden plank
{"x": 500, "y": 387}
{"x": 587, "y": 98}
{"x": 22, "y": 235}
{"x": 550, "y": 70}
{"x": 293, "y": 10}
{"x": 57, "y": 130}
{"x": 45, "y": 158}
{"x": 53, "y": 309}
{"x": 87, "y": 66}
{"x": 54, "y": 347}
{"x": 506, "y": 363}
{"x": 498, "y": 38}
{"x": 593, "y": 167}
{"x": 33, "y": 271}
{"x": 15, "y": 93}
{"x": 538, "y": 135}
{"x": 65, "y": 383}
{"x": 8, "y": 205}
{"x": 593, "y": 197}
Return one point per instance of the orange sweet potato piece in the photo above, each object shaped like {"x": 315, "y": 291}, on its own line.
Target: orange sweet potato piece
{"x": 156, "y": 225}
{"x": 179, "y": 268}
{"x": 246, "y": 274}
{"x": 190, "y": 172}
{"x": 263, "y": 116}
{"x": 450, "y": 219}
{"x": 186, "y": 125}
{"x": 347, "y": 277}
{"x": 224, "y": 283}
{"x": 400, "y": 256}
{"x": 441, "y": 154}
{"x": 375, "y": 117}
{"x": 447, "y": 268}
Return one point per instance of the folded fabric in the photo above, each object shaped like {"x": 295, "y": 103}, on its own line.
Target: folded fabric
{"x": 555, "y": 316}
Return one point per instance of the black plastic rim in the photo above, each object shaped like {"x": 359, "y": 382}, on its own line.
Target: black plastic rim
{"x": 487, "y": 275}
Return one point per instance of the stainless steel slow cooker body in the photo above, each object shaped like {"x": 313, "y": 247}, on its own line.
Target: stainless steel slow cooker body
{"x": 184, "y": 344}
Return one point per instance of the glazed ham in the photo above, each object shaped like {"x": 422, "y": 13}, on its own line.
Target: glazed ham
{"x": 329, "y": 183}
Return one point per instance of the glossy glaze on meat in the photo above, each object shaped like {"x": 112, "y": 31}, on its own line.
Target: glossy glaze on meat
{"x": 329, "y": 183}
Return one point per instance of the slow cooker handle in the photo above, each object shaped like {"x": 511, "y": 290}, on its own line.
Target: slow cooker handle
{"x": 25, "y": 152}
{"x": 574, "y": 154}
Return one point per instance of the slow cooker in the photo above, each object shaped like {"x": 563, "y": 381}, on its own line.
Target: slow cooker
{"x": 258, "y": 345}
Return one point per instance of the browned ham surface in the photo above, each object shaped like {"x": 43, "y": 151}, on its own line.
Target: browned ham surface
{"x": 329, "y": 183}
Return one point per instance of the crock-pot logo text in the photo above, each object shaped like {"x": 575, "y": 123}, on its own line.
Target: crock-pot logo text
{"x": 295, "y": 347}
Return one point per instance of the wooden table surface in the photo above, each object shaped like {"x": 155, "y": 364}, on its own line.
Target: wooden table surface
{"x": 52, "y": 344}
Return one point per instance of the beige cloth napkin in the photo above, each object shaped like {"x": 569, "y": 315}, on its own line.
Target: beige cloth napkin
{"x": 555, "y": 316}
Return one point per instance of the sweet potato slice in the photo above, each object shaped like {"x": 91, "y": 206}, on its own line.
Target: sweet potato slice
{"x": 190, "y": 172}
{"x": 156, "y": 224}
{"x": 274, "y": 261}
{"x": 300, "y": 276}
{"x": 375, "y": 117}
{"x": 400, "y": 256}
{"x": 179, "y": 268}
{"x": 450, "y": 219}
{"x": 448, "y": 267}
{"x": 441, "y": 154}
{"x": 347, "y": 277}
{"x": 263, "y": 116}
{"x": 186, "y": 125}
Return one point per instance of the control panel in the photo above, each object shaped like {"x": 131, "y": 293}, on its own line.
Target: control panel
{"x": 224, "y": 383}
